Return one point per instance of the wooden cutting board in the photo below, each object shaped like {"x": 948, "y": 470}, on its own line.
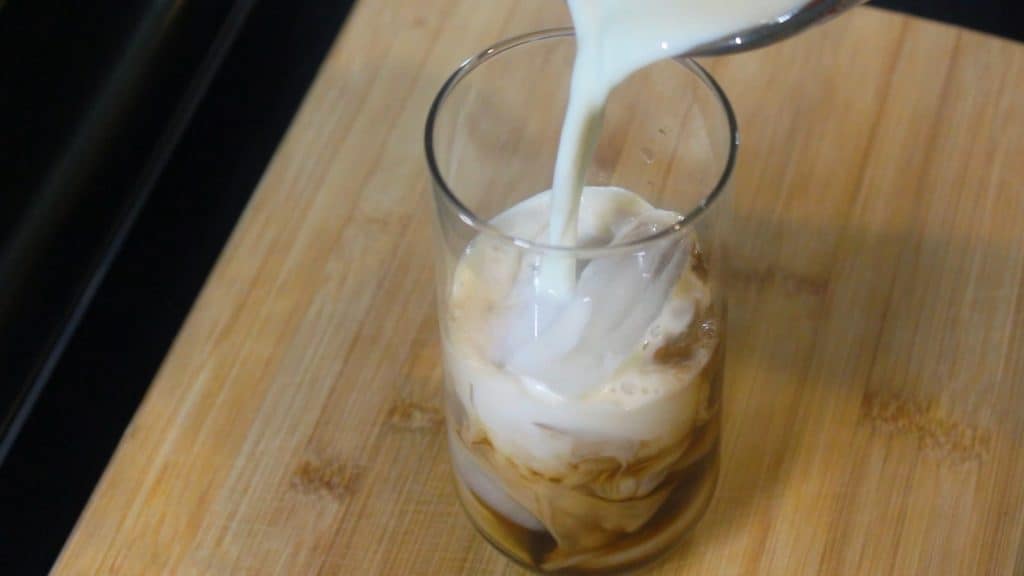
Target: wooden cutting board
{"x": 875, "y": 388}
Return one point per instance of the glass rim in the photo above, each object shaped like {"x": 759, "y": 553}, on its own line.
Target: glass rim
{"x": 481, "y": 226}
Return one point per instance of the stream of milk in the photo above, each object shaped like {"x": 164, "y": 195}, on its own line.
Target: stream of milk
{"x": 615, "y": 38}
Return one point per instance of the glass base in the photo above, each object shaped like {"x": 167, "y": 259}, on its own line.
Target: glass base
{"x": 538, "y": 551}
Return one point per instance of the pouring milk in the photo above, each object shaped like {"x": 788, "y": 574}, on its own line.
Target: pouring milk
{"x": 583, "y": 405}
{"x": 615, "y": 38}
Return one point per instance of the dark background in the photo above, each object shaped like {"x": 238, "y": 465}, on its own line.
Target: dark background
{"x": 132, "y": 133}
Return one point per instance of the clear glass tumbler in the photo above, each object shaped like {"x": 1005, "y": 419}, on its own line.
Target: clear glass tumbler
{"x": 584, "y": 432}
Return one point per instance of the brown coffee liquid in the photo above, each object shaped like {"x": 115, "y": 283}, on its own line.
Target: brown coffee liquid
{"x": 690, "y": 487}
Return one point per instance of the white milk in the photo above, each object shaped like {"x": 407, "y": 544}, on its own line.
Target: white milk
{"x": 552, "y": 367}
{"x": 586, "y": 380}
{"x": 615, "y": 38}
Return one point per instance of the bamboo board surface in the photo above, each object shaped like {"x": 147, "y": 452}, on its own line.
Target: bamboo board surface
{"x": 874, "y": 395}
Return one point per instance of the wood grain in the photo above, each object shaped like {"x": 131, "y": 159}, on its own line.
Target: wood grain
{"x": 875, "y": 386}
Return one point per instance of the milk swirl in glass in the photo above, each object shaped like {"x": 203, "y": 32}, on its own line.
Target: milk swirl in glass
{"x": 583, "y": 325}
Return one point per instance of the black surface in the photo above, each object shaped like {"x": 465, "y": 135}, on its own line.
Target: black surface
{"x": 139, "y": 304}
{"x": 88, "y": 114}
{"x": 1002, "y": 17}
{"x": 128, "y": 148}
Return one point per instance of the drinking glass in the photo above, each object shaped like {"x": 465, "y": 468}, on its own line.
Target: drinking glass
{"x": 610, "y": 477}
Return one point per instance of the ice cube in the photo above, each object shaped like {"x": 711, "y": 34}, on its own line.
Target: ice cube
{"x": 611, "y": 308}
